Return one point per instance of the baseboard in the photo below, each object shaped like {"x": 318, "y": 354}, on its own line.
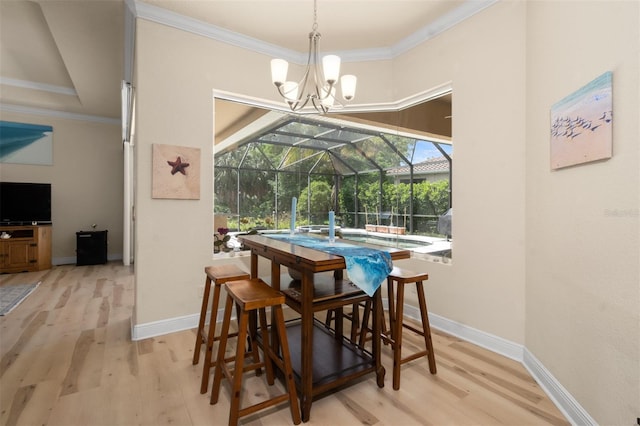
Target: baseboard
{"x": 477, "y": 337}
{"x": 488, "y": 341}
{"x": 172, "y": 325}
{"x": 71, "y": 260}
{"x": 159, "y": 328}
{"x": 566, "y": 403}
{"x": 552, "y": 387}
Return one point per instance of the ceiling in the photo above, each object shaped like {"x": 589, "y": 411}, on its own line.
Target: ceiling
{"x": 67, "y": 55}
{"x": 344, "y": 24}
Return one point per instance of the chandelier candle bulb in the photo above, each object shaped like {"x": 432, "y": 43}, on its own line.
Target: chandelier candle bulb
{"x": 294, "y": 201}
{"x": 348, "y": 86}
{"x": 279, "y": 68}
{"x": 331, "y": 68}
{"x": 332, "y": 226}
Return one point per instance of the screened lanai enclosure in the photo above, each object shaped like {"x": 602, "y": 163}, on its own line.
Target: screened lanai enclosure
{"x": 384, "y": 184}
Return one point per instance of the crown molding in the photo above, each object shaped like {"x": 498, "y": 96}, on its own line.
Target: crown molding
{"x": 400, "y": 104}
{"x": 409, "y": 101}
{"x": 129, "y": 39}
{"x": 57, "y": 114}
{"x": 440, "y": 25}
{"x": 165, "y": 17}
{"x": 38, "y": 86}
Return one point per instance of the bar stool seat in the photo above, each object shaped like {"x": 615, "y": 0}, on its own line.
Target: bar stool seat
{"x": 401, "y": 277}
{"x": 218, "y": 275}
{"x": 250, "y": 296}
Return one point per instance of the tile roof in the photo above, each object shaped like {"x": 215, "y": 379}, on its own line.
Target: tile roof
{"x": 429, "y": 166}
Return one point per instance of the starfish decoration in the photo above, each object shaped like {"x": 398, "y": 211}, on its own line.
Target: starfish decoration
{"x": 178, "y": 166}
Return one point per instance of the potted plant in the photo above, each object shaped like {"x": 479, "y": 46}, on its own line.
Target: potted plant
{"x": 221, "y": 239}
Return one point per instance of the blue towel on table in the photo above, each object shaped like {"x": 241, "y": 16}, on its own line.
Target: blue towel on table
{"x": 367, "y": 267}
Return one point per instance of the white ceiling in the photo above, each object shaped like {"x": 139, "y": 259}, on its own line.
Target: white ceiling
{"x": 344, "y": 24}
{"x": 67, "y": 55}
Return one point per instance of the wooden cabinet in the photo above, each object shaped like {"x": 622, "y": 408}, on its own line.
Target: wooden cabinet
{"x": 28, "y": 248}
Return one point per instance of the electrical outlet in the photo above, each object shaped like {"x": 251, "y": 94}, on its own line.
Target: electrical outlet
{"x": 201, "y": 291}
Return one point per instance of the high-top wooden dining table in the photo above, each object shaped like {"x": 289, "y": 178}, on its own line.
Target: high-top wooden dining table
{"x": 324, "y": 361}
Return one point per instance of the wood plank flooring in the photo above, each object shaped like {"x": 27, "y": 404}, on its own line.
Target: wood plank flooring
{"x": 66, "y": 358}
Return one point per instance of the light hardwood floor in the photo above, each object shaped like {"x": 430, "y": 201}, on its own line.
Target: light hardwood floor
{"x": 67, "y": 359}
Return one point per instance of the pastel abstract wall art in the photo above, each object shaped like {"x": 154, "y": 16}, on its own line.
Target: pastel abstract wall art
{"x": 582, "y": 123}
{"x": 23, "y": 143}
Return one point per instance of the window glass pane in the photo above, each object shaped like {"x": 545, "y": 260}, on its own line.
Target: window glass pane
{"x": 388, "y": 180}
{"x": 379, "y": 151}
{"x": 230, "y": 158}
{"x": 425, "y": 150}
{"x": 353, "y": 158}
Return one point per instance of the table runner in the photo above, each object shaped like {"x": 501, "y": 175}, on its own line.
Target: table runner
{"x": 367, "y": 267}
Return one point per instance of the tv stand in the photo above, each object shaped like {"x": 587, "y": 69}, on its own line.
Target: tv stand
{"x": 28, "y": 249}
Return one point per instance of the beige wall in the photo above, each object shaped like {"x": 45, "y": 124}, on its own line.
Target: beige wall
{"x": 174, "y": 105}
{"x": 178, "y": 79}
{"x": 583, "y": 280}
{"x": 86, "y": 180}
{"x": 513, "y": 261}
{"x": 484, "y": 287}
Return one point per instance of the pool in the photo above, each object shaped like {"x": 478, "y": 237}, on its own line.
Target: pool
{"x": 387, "y": 242}
{"x": 432, "y": 246}
{"x": 418, "y": 244}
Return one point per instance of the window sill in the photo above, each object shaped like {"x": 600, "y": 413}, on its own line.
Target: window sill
{"x": 432, "y": 258}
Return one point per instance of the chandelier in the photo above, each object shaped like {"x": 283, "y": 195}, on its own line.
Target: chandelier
{"x": 322, "y": 93}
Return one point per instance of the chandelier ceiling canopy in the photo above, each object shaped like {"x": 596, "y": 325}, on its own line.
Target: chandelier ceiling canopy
{"x": 319, "y": 89}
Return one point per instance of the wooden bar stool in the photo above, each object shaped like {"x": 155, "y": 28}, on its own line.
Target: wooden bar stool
{"x": 359, "y": 328}
{"x": 396, "y": 323}
{"x": 250, "y": 296}
{"x": 217, "y": 275}
{"x": 353, "y": 316}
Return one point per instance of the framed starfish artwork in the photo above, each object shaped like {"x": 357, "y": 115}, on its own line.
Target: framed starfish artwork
{"x": 176, "y": 172}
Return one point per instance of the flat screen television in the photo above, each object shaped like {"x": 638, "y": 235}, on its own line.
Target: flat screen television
{"x": 23, "y": 203}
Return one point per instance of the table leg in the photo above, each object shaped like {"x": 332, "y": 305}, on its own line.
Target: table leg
{"x": 253, "y": 323}
{"x": 254, "y": 264}
{"x": 375, "y": 342}
{"x": 338, "y": 323}
{"x": 275, "y": 275}
{"x": 307, "y": 346}
{"x": 338, "y": 275}
{"x": 275, "y": 283}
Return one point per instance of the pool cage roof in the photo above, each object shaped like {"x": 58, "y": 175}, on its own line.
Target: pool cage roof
{"x": 304, "y": 144}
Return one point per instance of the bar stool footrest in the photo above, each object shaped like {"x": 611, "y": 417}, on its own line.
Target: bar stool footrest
{"x": 412, "y": 328}
{"x": 262, "y": 405}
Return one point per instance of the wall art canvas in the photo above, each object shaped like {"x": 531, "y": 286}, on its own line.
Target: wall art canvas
{"x": 582, "y": 123}
{"x": 176, "y": 172}
{"x": 23, "y": 143}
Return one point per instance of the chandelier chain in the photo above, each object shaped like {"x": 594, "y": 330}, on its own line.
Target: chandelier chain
{"x": 315, "y": 16}
{"x": 326, "y": 74}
